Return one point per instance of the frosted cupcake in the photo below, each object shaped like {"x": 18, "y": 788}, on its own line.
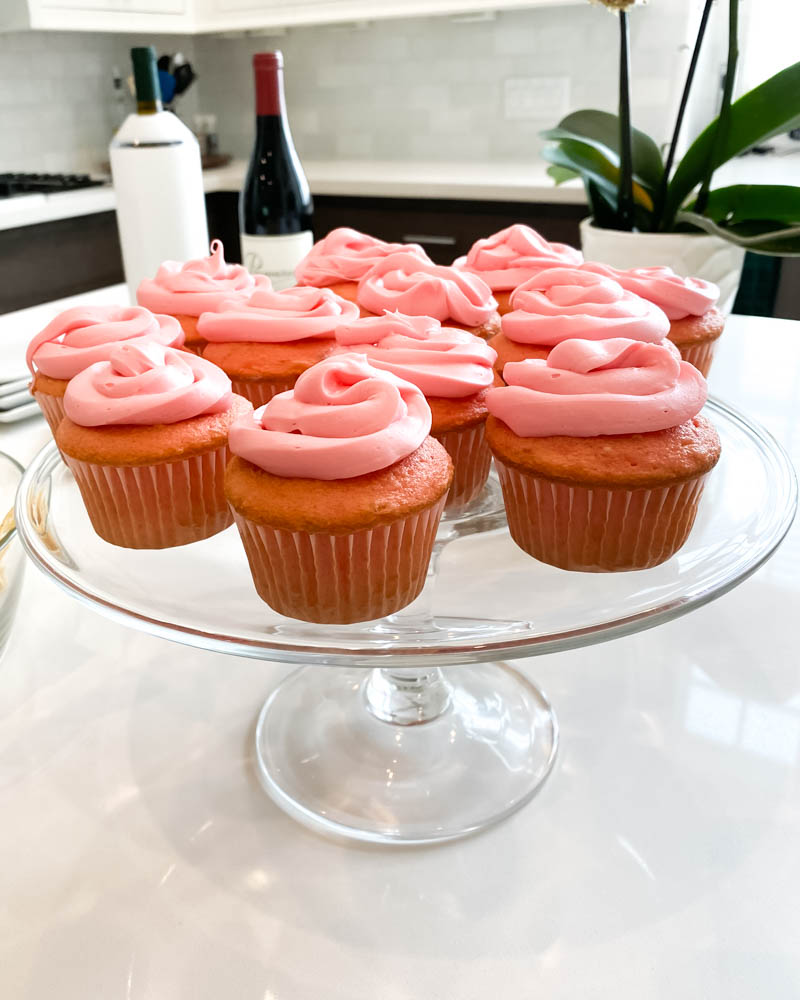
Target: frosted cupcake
{"x": 145, "y": 435}
{"x": 514, "y": 255}
{"x": 689, "y": 303}
{"x": 342, "y": 259}
{"x": 402, "y": 282}
{"x": 562, "y": 303}
{"x": 601, "y": 453}
{"x": 452, "y": 368}
{"x": 186, "y": 291}
{"x": 82, "y": 336}
{"x": 337, "y": 491}
{"x": 266, "y": 343}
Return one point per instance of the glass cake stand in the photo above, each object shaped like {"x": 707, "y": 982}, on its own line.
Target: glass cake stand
{"x": 435, "y": 739}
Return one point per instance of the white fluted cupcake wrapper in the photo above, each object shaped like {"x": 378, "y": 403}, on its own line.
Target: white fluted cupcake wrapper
{"x": 595, "y": 529}
{"x": 339, "y": 579}
{"x": 156, "y": 506}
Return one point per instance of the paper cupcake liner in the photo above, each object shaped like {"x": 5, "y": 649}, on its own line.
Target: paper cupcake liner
{"x": 259, "y": 391}
{"x": 595, "y": 529}
{"x": 52, "y": 407}
{"x": 340, "y": 579}
{"x": 155, "y": 506}
{"x": 471, "y": 460}
{"x": 700, "y": 355}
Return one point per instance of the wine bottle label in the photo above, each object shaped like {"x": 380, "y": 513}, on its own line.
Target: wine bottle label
{"x": 276, "y": 256}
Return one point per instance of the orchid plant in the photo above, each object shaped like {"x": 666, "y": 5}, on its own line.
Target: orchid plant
{"x": 630, "y": 186}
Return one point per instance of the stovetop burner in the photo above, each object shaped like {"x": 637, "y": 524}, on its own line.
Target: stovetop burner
{"x": 15, "y": 184}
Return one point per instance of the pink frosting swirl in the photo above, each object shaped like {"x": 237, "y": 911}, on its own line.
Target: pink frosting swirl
{"x": 347, "y": 255}
{"x": 343, "y": 418}
{"x": 586, "y": 388}
{"x": 83, "y": 335}
{"x": 678, "y": 297}
{"x": 269, "y": 317}
{"x": 404, "y": 283}
{"x": 562, "y": 303}
{"x": 514, "y": 255}
{"x": 442, "y": 362}
{"x": 198, "y": 285}
{"x": 146, "y": 384}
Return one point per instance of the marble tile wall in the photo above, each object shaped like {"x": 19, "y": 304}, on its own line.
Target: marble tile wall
{"x": 57, "y": 97}
{"x": 433, "y": 88}
{"x": 416, "y": 89}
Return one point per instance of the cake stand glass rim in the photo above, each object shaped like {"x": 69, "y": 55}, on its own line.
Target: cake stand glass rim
{"x": 447, "y": 655}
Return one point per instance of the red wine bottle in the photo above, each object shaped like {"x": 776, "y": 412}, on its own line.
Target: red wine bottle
{"x": 275, "y": 206}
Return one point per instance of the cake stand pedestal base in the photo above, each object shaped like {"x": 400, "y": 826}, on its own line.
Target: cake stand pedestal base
{"x": 408, "y": 756}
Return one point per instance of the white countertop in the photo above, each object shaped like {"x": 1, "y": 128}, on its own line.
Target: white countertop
{"x": 384, "y": 179}
{"x": 141, "y": 860}
{"x": 479, "y": 181}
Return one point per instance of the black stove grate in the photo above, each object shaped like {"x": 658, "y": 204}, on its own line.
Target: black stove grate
{"x": 12, "y": 184}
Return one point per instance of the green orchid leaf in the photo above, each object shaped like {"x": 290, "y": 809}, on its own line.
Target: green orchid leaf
{"x": 767, "y": 110}
{"x": 561, "y": 174}
{"x": 756, "y": 236}
{"x": 743, "y": 202}
{"x": 585, "y": 160}
{"x": 603, "y": 208}
{"x": 601, "y": 130}
{"x": 592, "y": 163}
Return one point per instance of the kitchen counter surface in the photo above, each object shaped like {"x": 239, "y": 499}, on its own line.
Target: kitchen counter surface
{"x": 142, "y": 860}
{"x": 485, "y": 182}
{"x": 377, "y": 179}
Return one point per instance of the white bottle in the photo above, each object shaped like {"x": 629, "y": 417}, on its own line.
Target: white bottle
{"x": 158, "y": 182}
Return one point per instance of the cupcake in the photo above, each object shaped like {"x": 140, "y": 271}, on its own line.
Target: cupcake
{"x": 689, "y": 304}
{"x": 186, "y": 291}
{"x": 562, "y": 303}
{"x": 264, "y": 344}
{"x": 452, "y": 368}
{"x": 337, "y": 491}
{"x": 145, "y": 435}
{"x": 403, "y": 282}
{"x": 513, "y": 256}
{"x": 82, "y": 336}
{"x": 601, "y": 453}
{"x": 342, "y": 259}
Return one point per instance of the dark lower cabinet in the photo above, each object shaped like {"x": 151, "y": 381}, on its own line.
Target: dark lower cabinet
{"x": 55, "y": 259}
{"x": 70, "y": 256}
{"x": 445, "y": 228}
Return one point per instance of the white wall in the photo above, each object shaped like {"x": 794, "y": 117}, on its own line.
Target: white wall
{"x": 432, "y": 89}
{"x": 56, "y": 96}
{"x": 420, "y": 89}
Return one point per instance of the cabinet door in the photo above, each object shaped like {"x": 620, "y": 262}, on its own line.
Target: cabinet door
{"x": 283, "y": 6}
{"x": 445, "y": 228}
{"x": 117, "y": 6}
{"x": 215, "y": 15}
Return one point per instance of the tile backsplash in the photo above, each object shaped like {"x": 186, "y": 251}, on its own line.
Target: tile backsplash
{"x": 418, "y": 89}
{"x": 57, "y": 97}
{"x": 436, "y": 88}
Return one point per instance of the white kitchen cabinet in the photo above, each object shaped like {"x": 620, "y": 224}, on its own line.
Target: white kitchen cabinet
{"x": 98, "y": 15}
{"x": 231, "y": 15}
{"x": 206, "y": 16}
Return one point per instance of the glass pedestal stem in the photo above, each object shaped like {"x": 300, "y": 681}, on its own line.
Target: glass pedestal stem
{"x": 407, "y": 696}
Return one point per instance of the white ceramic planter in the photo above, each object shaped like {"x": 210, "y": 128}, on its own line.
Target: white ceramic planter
{"x": 696, "y": 255}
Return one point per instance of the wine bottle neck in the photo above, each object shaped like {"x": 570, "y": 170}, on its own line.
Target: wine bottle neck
{"x": 269, "y": 91}
{"x": 145, "y": 76}
{"x": 149, "y": 107}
